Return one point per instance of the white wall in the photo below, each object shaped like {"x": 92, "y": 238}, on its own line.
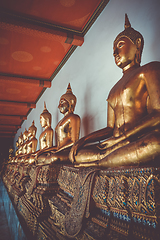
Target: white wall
{"x": 91, "y": 69}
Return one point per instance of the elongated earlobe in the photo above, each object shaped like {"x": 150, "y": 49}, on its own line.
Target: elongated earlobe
{"x": 138, "y": 57}
{"x": 138, "y": 43}
{"x": 139, "y": 51}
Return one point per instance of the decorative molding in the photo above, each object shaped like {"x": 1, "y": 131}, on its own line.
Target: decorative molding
{"x": 30, "y": 81}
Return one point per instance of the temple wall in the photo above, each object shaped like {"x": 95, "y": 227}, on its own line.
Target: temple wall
{"x": 91, "y": 69}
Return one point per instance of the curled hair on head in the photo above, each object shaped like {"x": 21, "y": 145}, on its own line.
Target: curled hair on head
{"x": 70, "y": 98}
{"x": 33, "y": 129}
{"x": 47, "y": 116}
{"x": 134, "y": 36}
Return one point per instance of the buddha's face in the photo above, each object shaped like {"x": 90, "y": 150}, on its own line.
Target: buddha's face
{"x": 124, "y": 52}
{"x": 43, "y": 121}
{"x": 63, "y": 106}
{"x": 30, "y": 133}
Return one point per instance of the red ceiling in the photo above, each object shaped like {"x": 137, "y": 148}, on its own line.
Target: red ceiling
{"x": 72, "y": 14}
{"x": 36, "y": 39}
{"x": 29, "y": 55}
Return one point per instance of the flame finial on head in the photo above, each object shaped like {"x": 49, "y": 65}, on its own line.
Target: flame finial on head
{"x": 45, "y": 108}
{"x": 44, "y": 105}
{"x": 130, "y": 32}
{"x": 46, "y": 114}
{"x": 69, "y": 90}
{"x": 127, "y": 22}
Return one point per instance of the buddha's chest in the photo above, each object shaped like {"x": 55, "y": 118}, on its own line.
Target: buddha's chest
{"x": 128, "y": 99}
{"x": 63, "y": 129}
{"x": 25, "y": 148}
{"x": 29, "y": 148}
{"x": 43, "y": 139}
{"x": 128, "y": 93}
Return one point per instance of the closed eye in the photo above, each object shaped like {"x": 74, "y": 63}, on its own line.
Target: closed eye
{"x": 121, "y": 44}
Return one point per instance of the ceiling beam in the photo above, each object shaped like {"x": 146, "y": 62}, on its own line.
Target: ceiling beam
{"x": 8, "y": 128}
{"x": 7, "y": 135}
{"x": 30, "y": 81}
{"x": 14, "y": 127}
{"x": 18, "y": 24}
{"x": 12, "y": 117}
{"x": 22, "y": 104}
{"x": 7, "y": 132}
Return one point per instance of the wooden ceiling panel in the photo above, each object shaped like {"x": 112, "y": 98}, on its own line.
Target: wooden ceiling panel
{"x": 10, "y": 120}
{"x": 72, "y": 14}
{"x": 36, "y": 39}
{"x": 28, "y": 55}
{"x": 15, "y": 109}
{"x": 6, "y": 135}
{"x": 11, "y": 128}
{"x": 19, "y": 91}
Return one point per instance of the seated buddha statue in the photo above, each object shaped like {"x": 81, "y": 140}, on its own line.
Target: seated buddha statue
{"x": 32, "y": 142}
{"x": 66, "y": 131}
{"x": 20, "y": 145}
{"x": 25, "y": 140}
{"x": 17, "y": 148}
{"x": 132, "y": 135}
{"x": 46, "y": 137}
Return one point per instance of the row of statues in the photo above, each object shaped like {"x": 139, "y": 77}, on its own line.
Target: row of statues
{"x": 27, "y": 142}
{"x": 66, "y": 134}
{"x": 60, "y": 200}
{"x": 132, "y": 135}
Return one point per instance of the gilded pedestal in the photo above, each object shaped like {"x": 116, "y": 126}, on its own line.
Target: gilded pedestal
{"x": 33, "y": 205}
{"x": 124, "y": 204}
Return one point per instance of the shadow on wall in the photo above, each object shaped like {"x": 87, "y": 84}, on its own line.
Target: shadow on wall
{"x": 87, "y": 122}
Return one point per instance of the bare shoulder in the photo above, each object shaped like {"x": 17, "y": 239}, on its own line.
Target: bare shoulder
{"x": 50, "y": 129}
{"x": 73, "y": 116}
{"x": 150, "y": 72}
{"x": 34, "y": 140}
{"x": 150, "y": 67}
{"x": 43, "y": 133}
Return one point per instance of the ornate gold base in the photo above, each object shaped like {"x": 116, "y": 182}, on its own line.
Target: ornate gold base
{"x": 122, "y": 203}
{"x": 125, "y": 204}
{"x": 33, "y": 205}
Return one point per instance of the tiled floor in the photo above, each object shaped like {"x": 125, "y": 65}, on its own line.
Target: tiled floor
{"x": 10, "y": 228}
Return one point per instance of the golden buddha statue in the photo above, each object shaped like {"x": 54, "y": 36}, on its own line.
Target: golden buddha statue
{"x": 25, "y": 140}
{"x": 20, "y": 145}
{"x": 17, "y": 148}
{"x": 10, "y": 156}
{"x": 66, "y": 131}
{"x": 46, "y": 137}
{"x": 32, "y": 142}
{"x": 30, "y": 145}
{"x": 133, "y": 123}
